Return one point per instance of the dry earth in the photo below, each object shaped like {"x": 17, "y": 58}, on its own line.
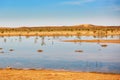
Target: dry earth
{"x": 13, "y": 74}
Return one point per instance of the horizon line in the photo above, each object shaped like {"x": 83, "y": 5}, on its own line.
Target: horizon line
{"x": 55, "y": 25}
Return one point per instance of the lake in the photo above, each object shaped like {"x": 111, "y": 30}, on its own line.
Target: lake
{"x": 22, "y": 52}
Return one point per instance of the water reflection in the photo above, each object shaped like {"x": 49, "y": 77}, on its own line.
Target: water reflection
{"x": 22, "y": 52}
{"x": 36, "y": 38}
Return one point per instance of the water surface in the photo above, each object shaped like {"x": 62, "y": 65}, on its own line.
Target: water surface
{"x": 60, "y": 55}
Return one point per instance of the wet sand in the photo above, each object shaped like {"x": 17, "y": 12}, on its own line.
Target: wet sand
{"x": 93, "y": 41}
{"x": 13, "y": 74}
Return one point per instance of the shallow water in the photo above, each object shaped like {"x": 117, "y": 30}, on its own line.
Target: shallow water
{"x": 60, "y": 55}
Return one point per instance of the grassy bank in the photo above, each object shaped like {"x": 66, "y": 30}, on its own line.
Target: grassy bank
{"x": 80, "y": 30}
{"x": 54, "y": 75}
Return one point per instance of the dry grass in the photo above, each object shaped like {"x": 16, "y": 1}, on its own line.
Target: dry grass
{"x": 82, "y": 30}
{"x": 59, "y": 33}
{"x": 54, "y": 75}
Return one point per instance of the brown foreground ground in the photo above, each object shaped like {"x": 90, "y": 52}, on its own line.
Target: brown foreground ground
{"x": 54, "y": 75}
{"x": 98, "y": 41}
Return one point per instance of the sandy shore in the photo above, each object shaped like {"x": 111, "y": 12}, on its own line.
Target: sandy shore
{"x": 98, "y": 41}
{"x": 54, "y": 75}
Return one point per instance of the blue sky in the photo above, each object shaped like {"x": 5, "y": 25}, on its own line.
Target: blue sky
{"x": 14, "y": 13}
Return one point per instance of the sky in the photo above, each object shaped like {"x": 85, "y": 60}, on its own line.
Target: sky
{"x": 17, "y": 13}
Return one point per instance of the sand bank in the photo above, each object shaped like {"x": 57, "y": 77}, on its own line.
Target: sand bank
{"x": 93, "y": 41}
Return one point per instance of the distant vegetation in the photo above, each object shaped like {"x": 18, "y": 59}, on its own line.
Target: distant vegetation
{"x": 61, "y": 28}
{"x": 78, "y": 29}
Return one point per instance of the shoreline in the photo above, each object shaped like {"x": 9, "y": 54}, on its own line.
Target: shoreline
{"x": 75, "y": 30}
{"x": 62, "y": 70}
{"x": 60, "y": 33}
{"x": 42, "y": 74}
{"x": 94, "y": 41}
